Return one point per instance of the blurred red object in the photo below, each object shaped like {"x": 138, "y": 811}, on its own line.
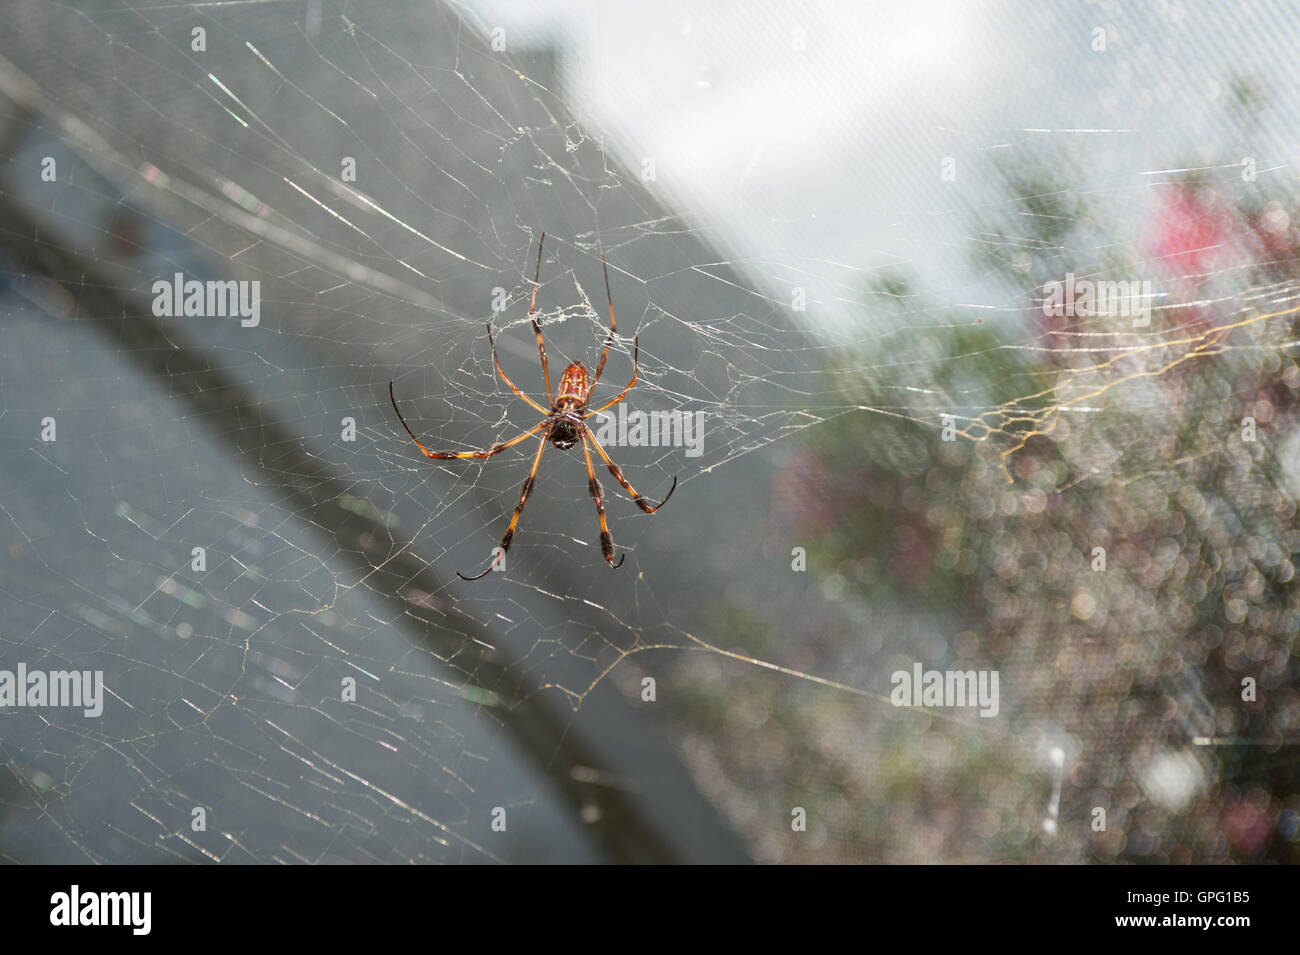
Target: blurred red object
{"x": 1192, "y": 230}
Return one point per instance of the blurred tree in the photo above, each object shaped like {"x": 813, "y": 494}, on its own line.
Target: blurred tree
{"x": 1118, "y": 533}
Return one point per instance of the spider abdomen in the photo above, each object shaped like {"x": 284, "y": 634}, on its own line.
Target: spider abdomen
{"x": 573, "y": 388}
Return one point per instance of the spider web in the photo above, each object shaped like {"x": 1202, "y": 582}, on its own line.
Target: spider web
{"x": 832, "y": 313}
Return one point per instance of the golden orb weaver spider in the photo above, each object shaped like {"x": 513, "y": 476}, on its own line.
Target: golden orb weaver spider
{"x": 564, "y": 425}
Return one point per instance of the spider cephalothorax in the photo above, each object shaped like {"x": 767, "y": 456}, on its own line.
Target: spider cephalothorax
{"x": 564, "y": 425}
{"x": 564, "y": 434}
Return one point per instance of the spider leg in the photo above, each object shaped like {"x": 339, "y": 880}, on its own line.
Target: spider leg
{"x": 618, "y": 475}
{"x": 537, "y": 329}
{"x": 636, "y": 357}
{"x": 613, "y": 328}
{"x": 506, "y": 379}
{"x": 444, "y": 455}
{"x": 606, "y": 541}
{"x": 524, "y": 492}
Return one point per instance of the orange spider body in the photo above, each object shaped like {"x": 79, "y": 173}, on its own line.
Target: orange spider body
{"x": 573, "y": 389}
{"x": 564, "y": 425}
{"x": 570, "y": 407}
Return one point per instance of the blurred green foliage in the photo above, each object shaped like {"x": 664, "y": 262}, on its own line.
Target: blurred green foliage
{"x": 1081, "y": 435}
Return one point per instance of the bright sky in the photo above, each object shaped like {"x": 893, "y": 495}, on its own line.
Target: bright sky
{"x": 810, "y": 134}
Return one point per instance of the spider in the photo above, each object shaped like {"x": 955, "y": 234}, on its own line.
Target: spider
{"x": 564, "y": 426}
